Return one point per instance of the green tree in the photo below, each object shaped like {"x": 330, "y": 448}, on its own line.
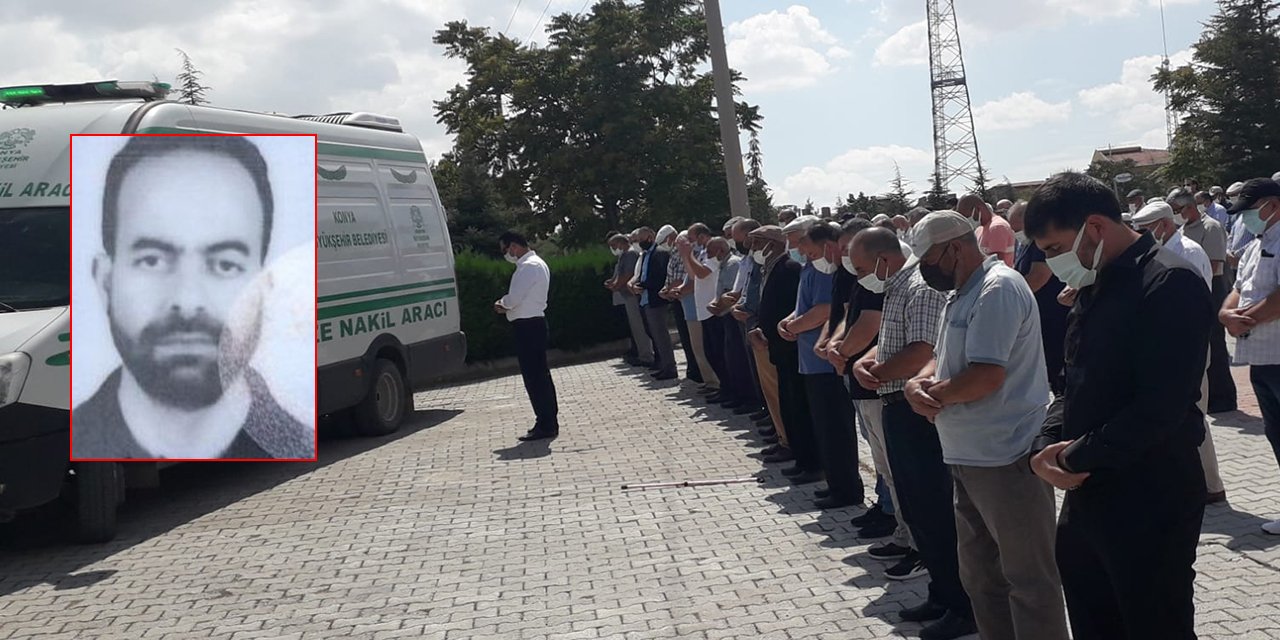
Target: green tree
{"x": 1148, "y": 181}
{"x": 190, "y": 89}
{"x": 980, "y": 182}
{"x": 936, "y": 197}
{"x": 606, "y": 127}
{"x": 898, "y": 200}
{"x": 1228, "y": 95}
{"x": 759, "y": 197}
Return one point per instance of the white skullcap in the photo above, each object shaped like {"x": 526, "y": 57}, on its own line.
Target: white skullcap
{"x": 880, "y": 219}
{"x": 665, "y": 232}
{"x": 1152, "y": 212}
{"x": 939, "y": 227}
{"x": 1235, "y": 189}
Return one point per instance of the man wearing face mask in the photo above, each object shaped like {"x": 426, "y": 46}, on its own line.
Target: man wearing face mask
{"x": 764, "y": 375}
{"x": 1209, "y": 207}
{"x": 649, "y": 282}
{"x": 986, "y": 390}
{"x": 744, "y": 364}
{"x": 704, "y": 271}
{"x": 780, "y": 286}
{"x": 623, "y": 272}
{"x": 1122, "y": 440}
{"x": 1137, "y": 200}
{"x": 524, "y": 305}
{"x": 1210, "y": 235}
{"x": 908, "y": 330}
{"x": 679, "y": 287}
{"x": 1046, "y": 287}
{"x": 1252, "y": 308}
{"x": 829, "y": 403}
{"x": 995, "y": 237}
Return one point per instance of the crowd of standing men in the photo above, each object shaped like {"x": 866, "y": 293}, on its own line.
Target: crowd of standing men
{"x": 988, "y": 355}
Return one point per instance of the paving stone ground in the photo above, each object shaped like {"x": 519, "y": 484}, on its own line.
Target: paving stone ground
{"x": 450, "y": 529}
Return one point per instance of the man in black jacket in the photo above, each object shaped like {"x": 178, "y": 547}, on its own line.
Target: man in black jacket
{"x": 649, "y": 280}
{"x": 1122, "y": 440}
{"x": 777, "y": 301}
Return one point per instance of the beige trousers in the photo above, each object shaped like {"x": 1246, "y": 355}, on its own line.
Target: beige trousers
{"x": 1208, "y": 456}
{"x": 700, "y": 355}
{"x": 768, "y": 375}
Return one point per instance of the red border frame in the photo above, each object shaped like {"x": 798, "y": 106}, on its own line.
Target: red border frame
{"x": 315, "y": 218}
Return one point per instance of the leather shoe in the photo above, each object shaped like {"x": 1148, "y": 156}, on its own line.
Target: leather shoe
{"x": 664, "y": 376}
{"x": 951, "y": 626}
{"x": 832, "y": 502}
{"x": 792, "y": 471}
{"x": 764, "y": 422}
{"x": 744, "y": 410}
{"x": 760, "y": 415}
{"x": 770, "y": 440}
{"x": 767, "y": 431}
{"x": 1216, "y": 497}
{"x": 809, "y": 477}
{"x": 784, "y": 455}
{"x": 874, "y": 531}
{"x": 771, "y": 450}
{"x": 538, "y": 435}
{"x": 923, "y": 612}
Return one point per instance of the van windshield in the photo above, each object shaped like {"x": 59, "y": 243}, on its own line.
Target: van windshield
{"x": 35, "y": 258}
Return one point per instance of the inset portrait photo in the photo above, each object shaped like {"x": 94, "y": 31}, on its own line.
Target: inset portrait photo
{"x": 193, "y": 299}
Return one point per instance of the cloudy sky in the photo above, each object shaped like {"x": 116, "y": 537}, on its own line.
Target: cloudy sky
{"x": 843, "y": 84}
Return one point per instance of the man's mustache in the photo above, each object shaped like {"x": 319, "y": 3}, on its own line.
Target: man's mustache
{"x": 177, "y": 328}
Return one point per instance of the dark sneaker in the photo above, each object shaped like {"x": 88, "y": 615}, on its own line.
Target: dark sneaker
{"x": 888, "y": 551}
{"x": 792, "y": 471}
{"x": 874, "y": 531}
{"x": 950, "y": 627}
{"x": 806, "y": 478}
{"x": 911, "y": 566}
{"x": 873, "y": 516}
{"x": 924, "y": 612}
{"x": 783, "y": 455}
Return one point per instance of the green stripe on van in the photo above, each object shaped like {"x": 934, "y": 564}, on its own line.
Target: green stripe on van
{"x": 382, "y": 303}
{"x": 327, "y": 148}
{"x": 370, "y": 292}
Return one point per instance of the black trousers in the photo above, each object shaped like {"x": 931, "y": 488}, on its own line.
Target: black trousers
{"x": 682, "y": 327}
{"x": 530, "y": 336}
{"x": 794, "y": 405}
{"x": 1126, "y": 549}
{"x": 757, "y": 394}
{"x": 925, "y": 494}
{"x": 833, "y": 423}
{"x": 1266, "y": 387}
{"x": 1222, "y": 387}
{"x": 713, "y": 347}
{"x": 738, "y": 371}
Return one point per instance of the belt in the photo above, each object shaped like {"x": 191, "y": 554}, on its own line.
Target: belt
{"x": 893, "y": 398}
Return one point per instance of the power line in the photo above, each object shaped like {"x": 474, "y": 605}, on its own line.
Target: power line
{"x": 513, "y": 16}
{"x": 539, "y": 22}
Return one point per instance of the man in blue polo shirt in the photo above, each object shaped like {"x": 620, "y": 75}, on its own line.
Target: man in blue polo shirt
{"x": 987, "y": 391}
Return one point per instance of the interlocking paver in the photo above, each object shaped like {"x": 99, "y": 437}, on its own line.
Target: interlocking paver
{"x": 450, "y": 529}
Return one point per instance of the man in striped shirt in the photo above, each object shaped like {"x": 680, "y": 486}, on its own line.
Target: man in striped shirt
{"x": 908, "y": 330}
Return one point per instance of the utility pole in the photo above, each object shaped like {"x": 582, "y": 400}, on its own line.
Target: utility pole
{"x": 726, "y": 110}
{"x": 955, "y": 144}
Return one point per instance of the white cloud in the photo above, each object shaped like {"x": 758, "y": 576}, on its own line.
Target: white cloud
{"x": 1131, "y": 103}
{"x": 1021, "y": 110}
{"x": 780, "y": 51}
{"x": 866, "y": 170}
{"x": 907, "y": 46}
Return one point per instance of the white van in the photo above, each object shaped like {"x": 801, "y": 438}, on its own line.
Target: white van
{"x": 387, "y": 320}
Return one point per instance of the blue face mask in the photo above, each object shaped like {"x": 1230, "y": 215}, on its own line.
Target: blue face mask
{"x": 1252, "y": 219}
{"x": 797, "y": 256}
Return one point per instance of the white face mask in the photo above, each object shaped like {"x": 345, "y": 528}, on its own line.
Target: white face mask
{"x": 510, "y": 258}
{"x": 758, "y": 256}
{"x": 616, "y": 251}
{"x": 848, "y": 266}
{"x": 872, "y": 282}
{"x": 635, "y": 246}
{"x": 1201, "y": 208}
{"x": 1070, "y": 270}
{"x": 1021, "y": 237}
{"x": 1133, "y": 208}
{"x": 821, "y": 264}
{"x": 1179, "y": 219}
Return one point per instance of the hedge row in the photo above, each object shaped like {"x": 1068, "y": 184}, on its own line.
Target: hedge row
{"x": 580, "y": 311}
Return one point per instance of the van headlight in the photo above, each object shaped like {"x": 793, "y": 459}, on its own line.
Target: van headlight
{"x": 13, "y": 374}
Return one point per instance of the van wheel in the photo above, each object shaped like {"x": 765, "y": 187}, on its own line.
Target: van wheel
{"x": 382, "y": 410}
{"x": 99, "y": 490}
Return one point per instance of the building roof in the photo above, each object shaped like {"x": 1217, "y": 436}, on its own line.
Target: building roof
{"x": 1140, "y": 156}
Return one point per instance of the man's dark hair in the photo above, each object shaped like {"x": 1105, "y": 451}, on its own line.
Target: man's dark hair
{"x": 1204, "y": 195}
{"x": 511, "y": 237}
{"x": 1065, "y": 200}
{"x": 141, "y": 147}
{"x": 823, "y": 232}
{"x": 853, "y": 226}
{"x": 699, "y": 229}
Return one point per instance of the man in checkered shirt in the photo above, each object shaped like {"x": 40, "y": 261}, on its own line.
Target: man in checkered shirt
{"x": 908, "y": 331}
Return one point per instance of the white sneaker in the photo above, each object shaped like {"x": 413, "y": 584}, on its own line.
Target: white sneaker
{"x": 1272, "y": 527}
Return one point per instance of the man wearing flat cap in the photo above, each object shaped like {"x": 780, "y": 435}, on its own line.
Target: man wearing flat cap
{"x": 1137, "y": 200}
{"x": 1252, "y": 308}
{"x": 986, "y": 390}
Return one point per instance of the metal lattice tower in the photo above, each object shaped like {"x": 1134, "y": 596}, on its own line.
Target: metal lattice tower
{"x": 955, "y": 147}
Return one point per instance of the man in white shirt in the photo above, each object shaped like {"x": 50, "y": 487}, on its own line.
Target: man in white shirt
{"x": 1157, "y": 218}
{"x": 1252, "y": 308}
{"x": 524, "y": 305}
